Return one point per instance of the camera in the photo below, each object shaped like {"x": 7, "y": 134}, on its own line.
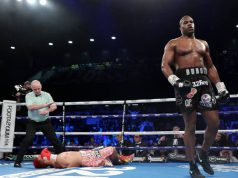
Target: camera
{"x": 21, "y": 89}
{"x": 18, "y": 87}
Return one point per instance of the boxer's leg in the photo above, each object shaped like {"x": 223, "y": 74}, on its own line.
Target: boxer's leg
{"x": 212, "y": 120}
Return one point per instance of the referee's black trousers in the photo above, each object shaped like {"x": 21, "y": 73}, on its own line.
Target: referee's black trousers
{"x": 31, "y": 129}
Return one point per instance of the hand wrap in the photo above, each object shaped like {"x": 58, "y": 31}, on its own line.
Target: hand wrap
{"x": 223, "y": 94}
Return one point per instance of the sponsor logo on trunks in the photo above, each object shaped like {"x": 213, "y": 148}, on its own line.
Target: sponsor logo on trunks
{"x": 206, "y": 100}
{"x": 192, "y": 93}
{"x": 188, "y": 103}
{"x": 199, "y": 83}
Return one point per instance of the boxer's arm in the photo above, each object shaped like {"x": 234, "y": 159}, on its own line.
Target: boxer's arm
{"x": 213, "y": 75}
{"x": 183, "y": 86}
{"x": 211, "y": 69}
{"x": 168, "y": 59}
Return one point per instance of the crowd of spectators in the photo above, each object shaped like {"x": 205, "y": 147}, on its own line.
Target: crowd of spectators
{"x": 96, "y": 120}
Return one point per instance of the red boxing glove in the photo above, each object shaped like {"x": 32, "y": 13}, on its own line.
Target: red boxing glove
{"x": 45, "y": 154}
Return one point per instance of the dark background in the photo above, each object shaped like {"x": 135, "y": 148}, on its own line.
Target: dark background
{"x": 125, "y": 68}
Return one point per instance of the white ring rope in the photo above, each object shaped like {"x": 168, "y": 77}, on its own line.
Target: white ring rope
{"x": 132, "y": 133}
{"x": 127, "y": 115}
{"x": 117, "y": 101}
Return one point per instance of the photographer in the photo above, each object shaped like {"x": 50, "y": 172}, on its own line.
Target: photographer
{"x": 21, "y": 91}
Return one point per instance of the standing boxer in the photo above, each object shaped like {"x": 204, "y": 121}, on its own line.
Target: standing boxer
{"x": 193, "y": 90}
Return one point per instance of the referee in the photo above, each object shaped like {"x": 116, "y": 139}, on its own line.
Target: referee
{"x": 39, "y": 104}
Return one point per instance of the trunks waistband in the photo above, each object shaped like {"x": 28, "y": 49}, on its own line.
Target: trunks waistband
{"x": 192, "y": 71}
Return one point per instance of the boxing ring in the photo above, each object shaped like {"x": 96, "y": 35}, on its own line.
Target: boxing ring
{"x": 153, "y": 168}
{"x": 135, "y": 170}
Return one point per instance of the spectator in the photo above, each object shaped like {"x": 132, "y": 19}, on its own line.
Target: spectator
{"x": 21, "y": 91}
{"x": 139, "y": 143}
{"x": 123, "y": 143}
{"x": 175, "y": 140}
{"x": 91, "y": 142}
{"x": 221, "y": 141}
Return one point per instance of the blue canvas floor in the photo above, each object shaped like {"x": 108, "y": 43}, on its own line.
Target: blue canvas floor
{"x": 132, "y": 170}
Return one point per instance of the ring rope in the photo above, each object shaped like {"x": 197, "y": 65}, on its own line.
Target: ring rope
{"x": 139, "y": 148}
{"x": 130, "y": 101}
{"x": 127, "y": 115}
{"x": 123, "y": 123}
{"x": 117, "y": 101}
{"x": 132, "y": 133}
{"x": 163, "y": 148}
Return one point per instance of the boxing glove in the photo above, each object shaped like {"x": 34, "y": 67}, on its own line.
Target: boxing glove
{"x": 223, "y": 94}
{"x": 46, "y": 154}
{"x": 182, "y": 86}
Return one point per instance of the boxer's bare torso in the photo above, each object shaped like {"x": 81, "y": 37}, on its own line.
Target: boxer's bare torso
{"x": 188, "y": 52}
{"x": 68, "y": 159}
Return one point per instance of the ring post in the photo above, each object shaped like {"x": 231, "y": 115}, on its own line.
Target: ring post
{"x": 63, "y": 124}
{"x": 123, "y": 123}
